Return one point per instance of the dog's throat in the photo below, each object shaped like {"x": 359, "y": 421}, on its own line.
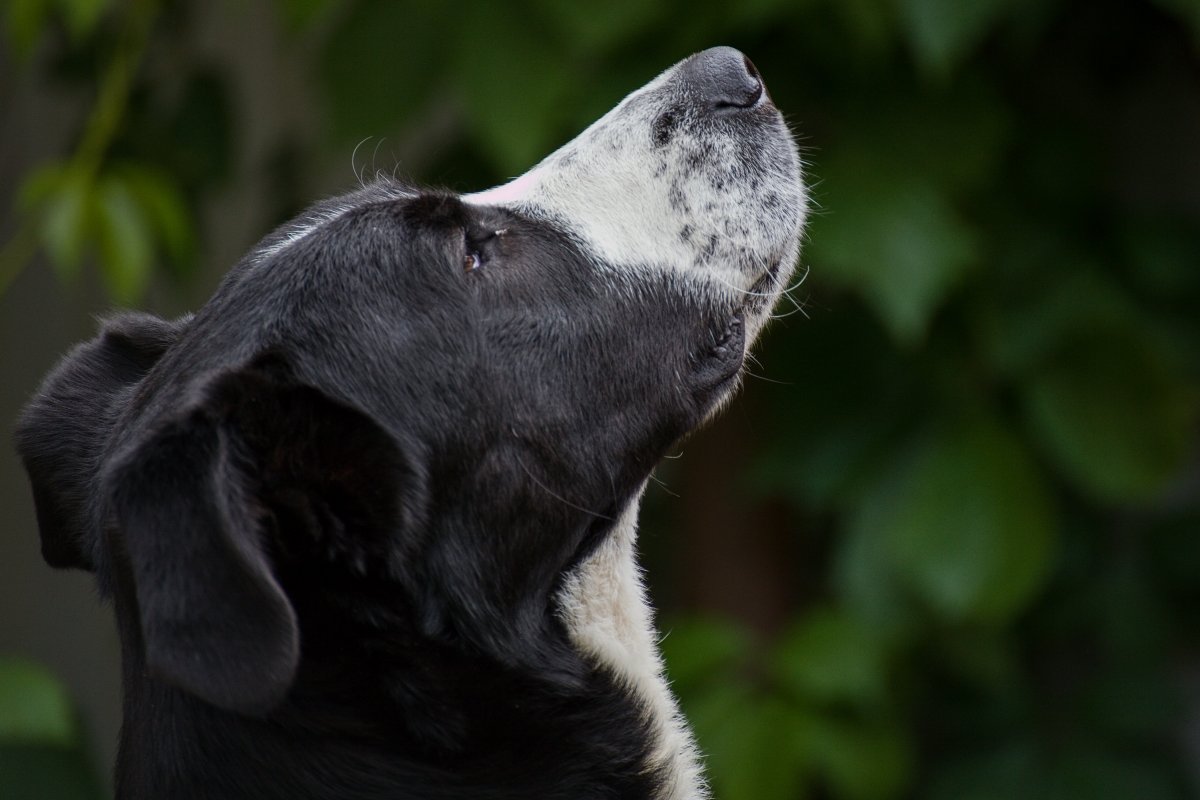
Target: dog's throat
{"x": 604, "y": 607}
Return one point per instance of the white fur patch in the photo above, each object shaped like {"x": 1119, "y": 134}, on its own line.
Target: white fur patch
{"x": 604, "y": 606}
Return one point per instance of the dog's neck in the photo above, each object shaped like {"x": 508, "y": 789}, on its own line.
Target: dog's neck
{"x": 604, "y": 606}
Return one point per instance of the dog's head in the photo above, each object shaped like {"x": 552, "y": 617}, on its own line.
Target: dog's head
{"x": 447, "y": 399}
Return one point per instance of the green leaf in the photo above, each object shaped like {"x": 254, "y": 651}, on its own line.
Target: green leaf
{"x": 1133, "y": 703}
{"x": 515, "y": 98}
{"x": 1026, "y": 331}
{"x": 44, "y": 772}
{"x": 868, "y": 585}
{"x": 1174, "y": 549}
{"x": 956, "y": 138}
{"x": 967, "y": 521}
{"x": 832, "y": 657}
{"x": 380, "y": 64}
{"x": 1005, "y": 773}
{"x": 1133, "y": 619}
{"x": 753, "y": 744}
{"x": 698, "y": 651}
{"x": 1160, "y": 255}
{"x": 984, "y": 656}
{"x": 40, "y": 185}
{"x": 300, "y": 15}
{"x": 863, "y": 760}
{"x": 942, "y": 33}
{"x": 68, "y": 220}
{"x": 757, "y": 15}
{"x": 825, "y": 443}
{"x": 200, "y": 130}
{"x": 125, "y": 241}
{"x": 47, "y": 772}
{"x": 81, "y": 16}
{"x": 34, "y": 709}
{"x": 871, "y": 23}
{"x": 162, "y": 203}
{"x": 1113, "y": 416}
{"x": 1090, "y": 774}
{"x": 595, "y": 25}
{"x": 893, "y": 237}
{"x": 26, "y": 21}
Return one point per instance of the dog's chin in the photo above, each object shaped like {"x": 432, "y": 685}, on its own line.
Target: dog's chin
{"x": 718, "y": 374}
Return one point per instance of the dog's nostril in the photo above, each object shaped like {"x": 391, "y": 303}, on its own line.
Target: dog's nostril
{"x": 755, "y": 79}
{"x": 751, "y": 69}
{"x": 723, "y": 78}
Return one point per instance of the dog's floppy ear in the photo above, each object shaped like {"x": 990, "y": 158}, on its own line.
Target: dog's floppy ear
{"x": 196, "y": 504}
{"x": 64, "y": 428}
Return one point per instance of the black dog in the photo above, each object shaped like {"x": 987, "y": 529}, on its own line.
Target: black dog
{"x": 367, "y": 519}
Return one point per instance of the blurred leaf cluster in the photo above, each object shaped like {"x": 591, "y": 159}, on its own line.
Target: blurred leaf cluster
{"x": 148, "y": 148}
{"x": 41, "y": 747}
{"x": 987, "y": 416}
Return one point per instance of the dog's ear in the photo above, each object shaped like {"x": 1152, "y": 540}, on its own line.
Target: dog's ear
{"x": 208, "y": 504}
{"x": 64, "y": 428}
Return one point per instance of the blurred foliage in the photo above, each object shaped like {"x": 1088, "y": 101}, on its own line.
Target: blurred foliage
{"x": 989, "y": 409}
{"x": 41, "y": 751}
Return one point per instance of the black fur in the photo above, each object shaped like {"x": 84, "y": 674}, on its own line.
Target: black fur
{"x": 335, "y": 509}
{"x": 339, "y": 500}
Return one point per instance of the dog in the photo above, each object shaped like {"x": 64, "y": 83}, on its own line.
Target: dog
{"x": 367, "y": 518}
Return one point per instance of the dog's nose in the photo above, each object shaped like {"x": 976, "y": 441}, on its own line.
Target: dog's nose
{"x": 723, "y": 78}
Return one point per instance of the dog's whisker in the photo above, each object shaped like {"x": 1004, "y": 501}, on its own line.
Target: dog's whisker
{"x": 769, "y": 293}
{"x": 740, "y": 290}
{"x": 765, "y": 379}
{"x": 662, "y": 485}
{"x": 797, "y": 308}
{"x": 753, "y": 359}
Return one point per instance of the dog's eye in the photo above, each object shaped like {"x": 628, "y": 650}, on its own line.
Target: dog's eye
{"x": 475, "y": 247}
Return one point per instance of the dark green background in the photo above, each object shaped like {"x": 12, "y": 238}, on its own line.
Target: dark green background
{"x": 946, "y": 544}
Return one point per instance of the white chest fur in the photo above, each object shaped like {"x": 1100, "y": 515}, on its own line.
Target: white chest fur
{"x": 603, "y": 604}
